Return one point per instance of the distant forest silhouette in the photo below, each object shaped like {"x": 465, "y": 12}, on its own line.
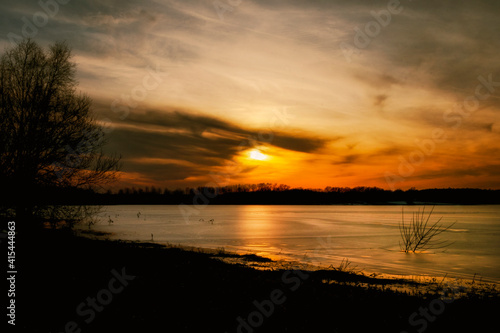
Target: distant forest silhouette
{"x": 268, "y": 194}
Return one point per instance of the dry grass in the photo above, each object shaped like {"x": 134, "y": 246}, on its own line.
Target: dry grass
{"x": 420, "y": 235}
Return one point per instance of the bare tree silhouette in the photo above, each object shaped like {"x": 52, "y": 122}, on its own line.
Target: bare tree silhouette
{"x": 49, "y": 136}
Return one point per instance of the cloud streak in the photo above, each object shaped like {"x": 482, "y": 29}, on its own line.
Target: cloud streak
{"x": 177, "y": 145}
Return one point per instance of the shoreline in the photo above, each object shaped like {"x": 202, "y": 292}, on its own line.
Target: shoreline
{"x": 190, "y": 291}
{"x": 425, "y": 282}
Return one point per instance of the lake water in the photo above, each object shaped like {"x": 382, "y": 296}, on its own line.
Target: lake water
{"x": 322, "y": 235}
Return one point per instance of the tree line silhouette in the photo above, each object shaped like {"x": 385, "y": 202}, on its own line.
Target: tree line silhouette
{"x": 268, "y": 194}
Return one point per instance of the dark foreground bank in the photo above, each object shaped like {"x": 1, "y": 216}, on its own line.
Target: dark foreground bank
{"x": 73, "y": 284}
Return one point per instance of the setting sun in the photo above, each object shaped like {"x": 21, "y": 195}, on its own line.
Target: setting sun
{"x": 256, "y": 154}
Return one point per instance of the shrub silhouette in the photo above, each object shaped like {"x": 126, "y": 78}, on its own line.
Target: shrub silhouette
{"x": 419, "y": 235}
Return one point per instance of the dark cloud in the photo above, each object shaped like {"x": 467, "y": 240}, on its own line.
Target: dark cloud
{"x": 129, "y": 30}
{"x": 430, "y": 118}
{"x": 387, "y": 153}
{"x": 298, "y": 143}
{"x": 159, "y": 172}
{"x": 200, "y": 140}
{"x": 136, "y": 143}
{"x": 349, "y": 159}
{"x": 450, "y": 42}
{"x": 197, "y": 124}
{"x": 379, "y": 100}
{"x": 485, "y": 171}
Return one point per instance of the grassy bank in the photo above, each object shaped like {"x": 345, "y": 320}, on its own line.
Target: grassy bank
{"x": 150, "y": 288}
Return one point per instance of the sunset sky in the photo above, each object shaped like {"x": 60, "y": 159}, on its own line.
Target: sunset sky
{"x": 394, "y": 94}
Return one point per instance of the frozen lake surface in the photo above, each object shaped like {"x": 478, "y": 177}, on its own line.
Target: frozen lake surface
{"x": 321, "y": 235}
